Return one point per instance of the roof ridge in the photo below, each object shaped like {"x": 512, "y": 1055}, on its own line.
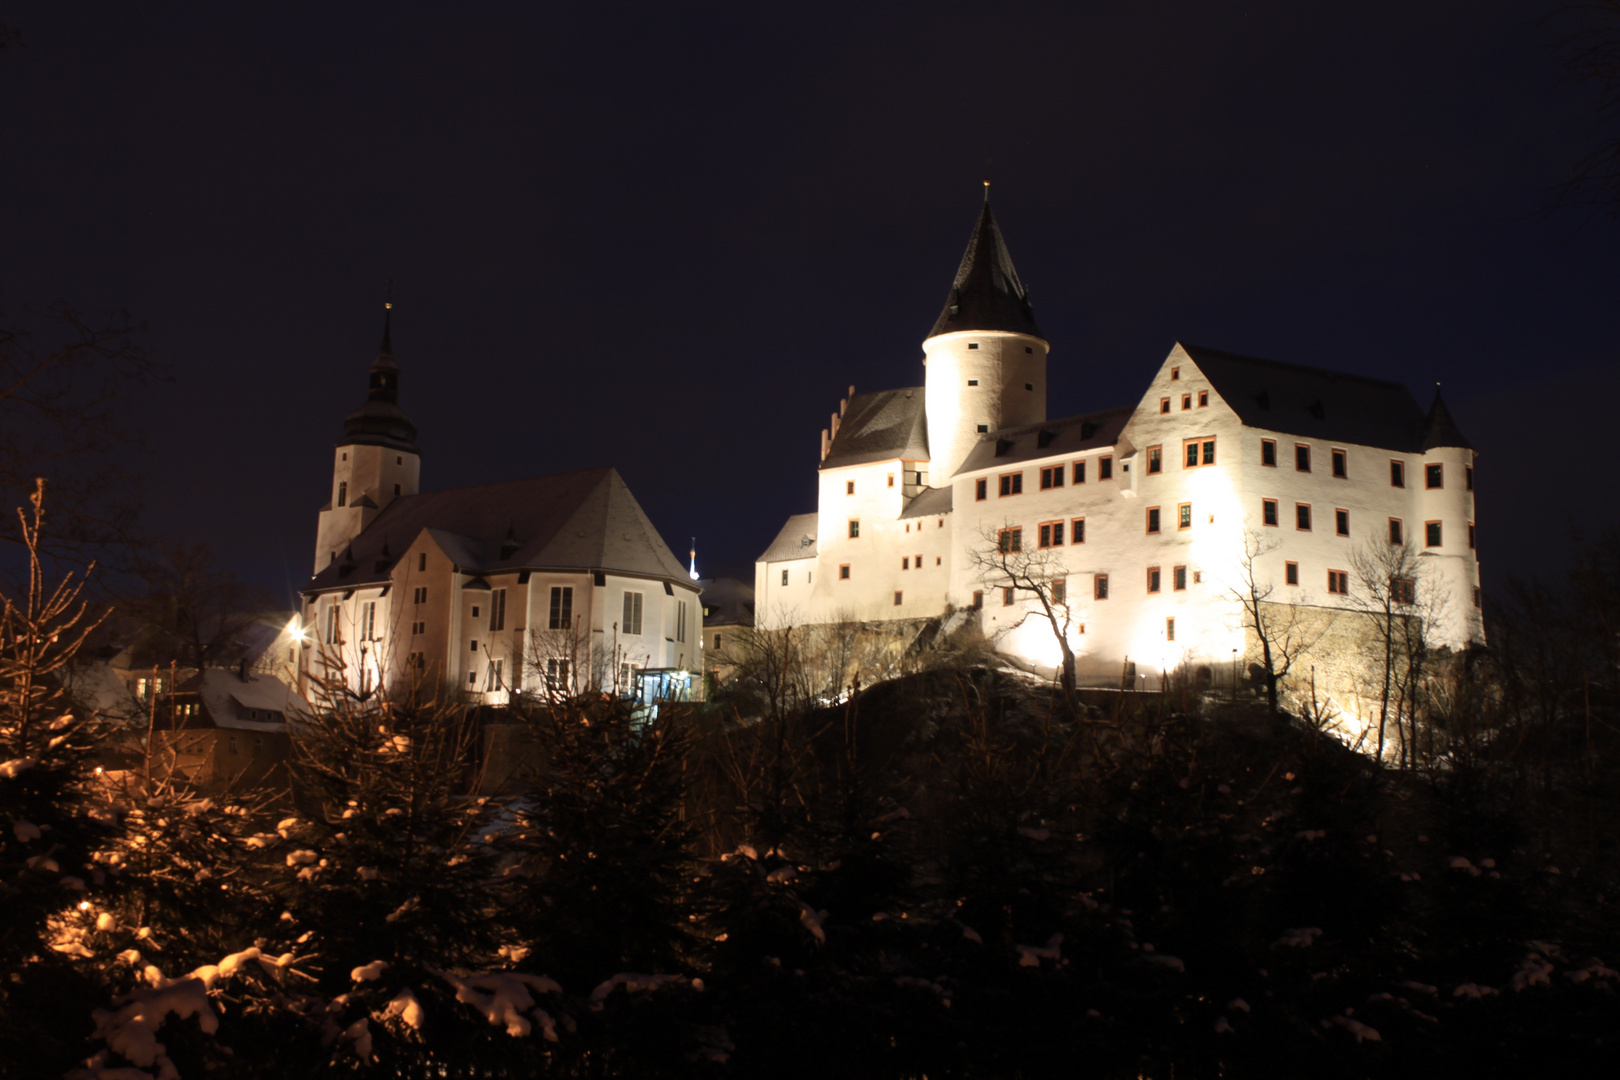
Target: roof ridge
{"x": 1289, "y": 365}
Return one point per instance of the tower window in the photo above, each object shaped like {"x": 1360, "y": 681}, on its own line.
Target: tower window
{"x": 979, "y": 488}
{"x": 396, "y": 489}
{"x": 1431, "y": 534}
{"x": 562, "y": 607}
{"x": 1153, "y": 579}
{"x": 1268, "y": 452}
{"x": 1302, "y": 517}
{"x": 1434, "y": 476}
{"x": 1105, "y": 468}
{"x": 1291, "y": 573}
{"x": 1029, "y": 386}
{"x": 343, "y": 493}
{"x": 849, "y": 487}
{"x": 854, "y": 528}
{"x": 1341, "y": 522}
{"x": 1395, "y": 531}
{"x": 843, "y": 571}
{"x": 1099, "y": 586}
{"x": 1397, "y": 474}
{"x": 973, "y": 382}
{"x": 973, "y": 344}
{"x": 1170, "y": 629}
{"x": 984, "y": 429}
{"x": 1341, "y": 465}
{"x": 497, "y": 610}
{"x": 1029, "y": 349}
{"x": 784, "y": 577}
{"x": 1302, "y": 457}
{"x": 1268, "y": 511}
{"x": 897, "y": 597}
{"x": 421, "y": 561}
{"x": 399, "y": 461}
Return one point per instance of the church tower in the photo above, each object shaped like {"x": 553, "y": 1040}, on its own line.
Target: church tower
{"x": 985, "y": 356}
{"x": 375, "y": 463}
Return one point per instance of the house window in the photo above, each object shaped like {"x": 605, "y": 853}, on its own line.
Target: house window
{"x": 420, "y": 595}
{"x": 905, "y": 562}
{"x": 332, "y": 637}
{"x": 1170, "y": 629}
{"x": 1302, "y": 517}
{"x": 475, "y": 611}
{"x": 1434, "y": 476}
{"x": 1077, "y": 531}
{"x": 421, "y": 562}
{"x": 1164, "y": 405}
{"x": 1198, "y": 452}
{"x": 1178, "y": 578}
{"x": 1007, "y": 597}
{"x": 343, "y": 493}
{"x": 231, "y": 744}
{"x": 1175, "y": 373}
{"x": 1155, "y": 459}
{"x": 1011, "y": 483}
{"x": 849, "y": 487}
{"x": 1186, "y": 402}
{"x": 854, "y": 528}
{"x": 1339, "y": 582}
{"x": 843, "y": 571}
{"x": 680, "y": 620}
{"x": 1051, "y": 477}
{"x": 978, "y": 599}
{"x": 1396, "y": 533}
{"x": 1268, "y": 452}
{"x": 1153, "y": 519}
{"x": 473, "y": 646}
{"x": 1468, "y": 478}
{"x": 1341, "y": 465}
{"x": 979, "y": 487}
{"x": 557, "y": 671}
{"x": 493, "y": 681}
{"x": 632, "y": 613}
{"x": 1099, "y": 586}
{"x": 1397, "y": 474}
{"x": 497, "y": 610}
{"x": 627, "y": 678}
{"x": 1105, "y": 469}
{"x": 1203, "y": 398}
{"x": 472, "y": 678}
{"x": 891, "y": 479}
{"x": 368, "y": 620}
{"x": 1268, "y": 511}
{"x": 1470, "y": 534}
{"x": 1302, "y": 457}
{"x": 1079, "y": 472}
{"x": 1184, "y": 515}
{"x": 562, "y": 608}
{"x": 1051, "y": 534}
{"x": 1153, "y": 579}
{"x": 1341, "y": 522}
{"x": 784, "y": 577}
{"x": 1403, "y": 590}
{"x": 1060, "y": 591}
{"x": 1010, "y": 540}
{"x": 1291, "y": 573}
{"x": 419, "y": 627}
{"x": 897, "y": 596}
{"x": 917, "y": 562}
{"x": 1431, "y": 534}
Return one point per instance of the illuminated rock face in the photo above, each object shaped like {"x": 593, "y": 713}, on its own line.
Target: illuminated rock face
{"x": 1158, "y": 500}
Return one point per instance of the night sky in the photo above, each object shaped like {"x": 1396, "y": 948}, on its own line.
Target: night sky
{"x": 667, "y": 237}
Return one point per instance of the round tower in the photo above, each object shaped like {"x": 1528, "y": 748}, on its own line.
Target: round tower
{"x": 1447, "y": 537}
{"x": 985, "y": 356}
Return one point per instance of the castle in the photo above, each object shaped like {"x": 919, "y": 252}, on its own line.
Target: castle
{"x": 554, "y": 584}
{"x": 1141, "y": 527}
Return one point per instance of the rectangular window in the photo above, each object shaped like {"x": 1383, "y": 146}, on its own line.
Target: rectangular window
{"x": 1105, "y": 468}
{"x": 1153, "y": 579}
{"x": 1302, "y": 517}
{"x": 1099, "y": 586}
{"x": 1175, "y": 373}
{"x": 1052, "y": 476}
{"x": 1184, "y": 515}
{"x": 475, "y": 611}
{"x": 1186, "y": 402}
{"x": 494, "y": 678}
{"x": 891, "y": 479}
{"x": 1077, "y": 531}
{"x": 472, "y": 646}
{"x": 1060, "y": 591}
{"x": 557, "y": 672}
{"x": 979, "y": 487}
{"x": 905, "y": 562}
{"x": 1396, "y": 533}
{"x": 1268, "y": 511}
{"x": 1434, "y": 476}
{"x": 1007, "y": 597}
{"x": 1011, "y": 483}
{"x": 497, "y": 610}
{"x": 1431, "y": 534}
{"x": 632, "y": 613}
{"x": 1468, "y": 478}
{"x": 1203, "y": 399}
{"x": 1051, "y": 534}
{"x": 1155, "y": 459}
{"x": 784, "y": 577}
{"x": 368, "y": 620}
{"x": 1010, "y": 540}
{"x": 1339, "y": 582}
{"x": 1476, "y": 596}
{"x": 1403, "y": 590}
{"x": 1198, "y": 452}
{"x": 1397, "y": 474}
{"x": 1178, "y": 578}
{"x": 1268, "y": 452}
{"x": 680, "y": 620}
{"x": 343, "y": 493}
{"x": 854, "y": 528}
{"x": 420, "y": 595}
{"x": 1170, "y": 629}
{"x": 562, "y": 608}
{"x": 472, "y": 678}
{"x": 1302, "y": 457}
{"x": 1470, "y": 534}
{"x": 843, "y": 571}
{"x": 897, "y": 597}
{"x": 978, "y": 599}
{"x": 421, "y": 561}
{"x": 332, "y": 625}
{"x": 1341, "y": 465}
{"x": 1341, "y": 522}
{"x": 1164, "y": 405}
{"x": 849, "y": 487}
{"x": 1153, "y": 519}
{"x": 1291, "y": 573}
{"x": 1079, "y": 472}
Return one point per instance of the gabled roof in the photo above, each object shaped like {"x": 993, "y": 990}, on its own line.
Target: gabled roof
{"x": 1050, "y": 438}
{"x": 246, "y": 703}
{"x": 790, "y": 542}
{"x": 585, "y": 520}
{"x": 1312, "y": 402}
{"x": 1439, "y": 429}
{"x": 881, "y": 426}
{"x": 729, "y": 602}
{"x": 986, "y": 294}
{"x": 929, "y": 502}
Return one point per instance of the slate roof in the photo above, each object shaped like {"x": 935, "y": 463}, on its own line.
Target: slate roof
{"x": 880, "y": 426}
{"x": 1439, "y": 429}
{"x": 987, "y": 294}
{"x": 930, "y": 502}
{"x": 585, "y": 520}
{"x": 1317, "y": 404}
{"x": 380, "y": 421}
{"x": 1050, "y": 438}
{"x": 728, "y": 601}
{"x": 789, "y": 543}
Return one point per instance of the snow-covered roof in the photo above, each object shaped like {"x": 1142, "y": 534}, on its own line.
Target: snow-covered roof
{"x": 797, "y": 540}
{"x": 246, "y": 702}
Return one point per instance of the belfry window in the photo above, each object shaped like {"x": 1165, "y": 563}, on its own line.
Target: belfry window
{"x": 343, "y": 493}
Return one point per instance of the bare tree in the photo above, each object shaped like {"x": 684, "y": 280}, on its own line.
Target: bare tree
{"x": 1004, "y": 561}
{"x": 195, "y": 608}
{"x": 1284, "y": 631}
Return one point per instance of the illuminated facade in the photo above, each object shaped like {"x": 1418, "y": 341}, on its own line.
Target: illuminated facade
{"x": 1143, "y": 512}
{"x": 552, "y": 584}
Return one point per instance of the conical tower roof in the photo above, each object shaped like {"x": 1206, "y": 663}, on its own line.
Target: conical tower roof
{"x": 380, "y": 421}
{"x": 1439, "y": 429}
{"x": 987, "y": 294}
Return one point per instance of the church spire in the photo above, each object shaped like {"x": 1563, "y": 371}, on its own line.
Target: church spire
{"x": 986, "y": 294}
{"x": 380, "y": 421}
